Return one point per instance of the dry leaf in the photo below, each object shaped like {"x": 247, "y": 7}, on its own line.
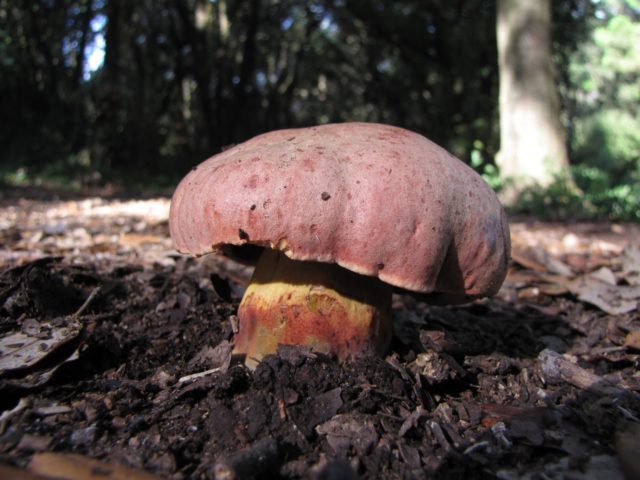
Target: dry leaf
{"x": 538, "y": 259}
{"x": 528, "y": 293}
{"x": 605, "y": 275}
{"x": 20, "y": 350}
{"x": 632, "y": 340}
{"x": 553, "y": 289}
{"x": 137, "y": 239}
{"x": 631, "y": 266}
{"x": 613, "y": 299}
{"x": 63, "y": 466}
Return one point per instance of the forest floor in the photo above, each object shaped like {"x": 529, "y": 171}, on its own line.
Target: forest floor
{"x": 115, "y": 362}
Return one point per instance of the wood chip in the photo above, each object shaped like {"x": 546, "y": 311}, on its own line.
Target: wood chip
{"x": 348, "y": 430}
{"x": 34, "y": 443}
{"x": 557, "y": 368}
{"x": 77, "y": 467}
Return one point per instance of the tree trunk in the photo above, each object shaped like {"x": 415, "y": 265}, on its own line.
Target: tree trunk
{"x": 533, "y": 149}
{"x": 114, "y": 108}
{"x": 82, "y": 44}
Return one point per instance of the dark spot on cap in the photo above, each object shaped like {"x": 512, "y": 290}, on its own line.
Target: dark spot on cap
{"x": 194, "y": 168}
{"x": 242, "y": 234}
{"x": 253, "y": 207}
{"x": 380, "y": 266}
{"x": 325, "y": 196}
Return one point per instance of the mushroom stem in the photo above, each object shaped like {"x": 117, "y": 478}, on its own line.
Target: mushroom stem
{"x": 327, "y": 307}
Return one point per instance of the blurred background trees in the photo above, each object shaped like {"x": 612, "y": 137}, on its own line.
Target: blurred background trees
{"x": 533, "y": 148}
{"x": 97, "y": 91}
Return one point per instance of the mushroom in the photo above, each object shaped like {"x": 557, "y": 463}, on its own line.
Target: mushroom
{"x": 335, "y": 217}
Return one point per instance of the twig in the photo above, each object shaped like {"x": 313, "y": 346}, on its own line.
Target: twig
{"x": 557, "y": 368}
{"x": 7, "y": 414}
{"x": 476, "y": 446}
{"x": 87, "y": 303}
{"x": 440, "y": 437}
{"x": 193, "y": 376}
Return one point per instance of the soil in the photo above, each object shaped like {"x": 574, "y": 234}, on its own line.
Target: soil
{"x": 132, "y": 363}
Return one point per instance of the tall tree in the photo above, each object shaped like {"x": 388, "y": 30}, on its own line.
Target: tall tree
{"x": 532, "y": 141}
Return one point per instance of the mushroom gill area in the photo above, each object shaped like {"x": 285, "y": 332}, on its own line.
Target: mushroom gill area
{"x": 321, "y": 305}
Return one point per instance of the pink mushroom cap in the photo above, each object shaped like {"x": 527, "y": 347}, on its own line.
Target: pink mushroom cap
{"x": 375, "y": 199}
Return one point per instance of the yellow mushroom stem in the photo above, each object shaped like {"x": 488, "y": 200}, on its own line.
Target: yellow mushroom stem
{"x": 324, "y": 306}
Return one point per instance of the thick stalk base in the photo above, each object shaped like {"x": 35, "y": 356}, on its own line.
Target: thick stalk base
{"x": 324, "y": 306}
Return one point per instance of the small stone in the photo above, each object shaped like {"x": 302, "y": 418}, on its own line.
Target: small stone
{"x": 84, "y": 435}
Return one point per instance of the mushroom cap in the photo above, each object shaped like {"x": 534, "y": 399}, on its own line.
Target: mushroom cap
{"x": 375, "y": 199}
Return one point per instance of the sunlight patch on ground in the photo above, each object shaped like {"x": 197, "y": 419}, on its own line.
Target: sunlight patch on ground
{"x": 89, "y": 227}
{"x": 603, "y": 238}
{"x": 137, "y": 231}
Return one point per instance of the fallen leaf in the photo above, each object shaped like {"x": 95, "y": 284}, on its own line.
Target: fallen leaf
{"x": 21, "y": 350}
{"x": 137, "y": 239}
{"x": 553, "y": 289}
{"x": 538, "y": 259}
{"x": 605, "y": 275}
{"x": 529, "y": 293}
{"x": 613, "y": 299}
{"x": 66, "y": 466}
{"x": 632, "y": 340}
{"x": 631, "y": 266}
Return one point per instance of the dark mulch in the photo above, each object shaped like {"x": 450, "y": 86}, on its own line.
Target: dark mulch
{"x": 462, "y": 394}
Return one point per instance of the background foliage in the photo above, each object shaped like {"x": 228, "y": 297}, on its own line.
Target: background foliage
{"x": 182, "y": 79}
{"x": 605, "y": 75}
